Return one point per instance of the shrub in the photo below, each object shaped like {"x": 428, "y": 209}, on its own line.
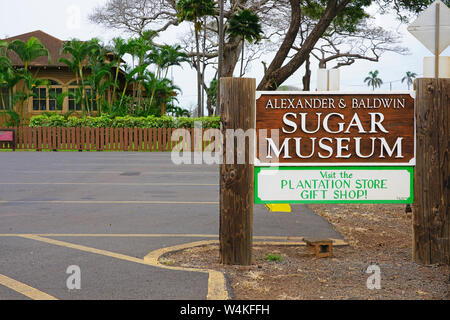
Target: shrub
{"x": 106, "y": 121}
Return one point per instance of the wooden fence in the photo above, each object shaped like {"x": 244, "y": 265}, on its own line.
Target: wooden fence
{"x": 111, "y": 139}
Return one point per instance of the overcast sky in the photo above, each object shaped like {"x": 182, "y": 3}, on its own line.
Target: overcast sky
{"x": 66, "y": 19}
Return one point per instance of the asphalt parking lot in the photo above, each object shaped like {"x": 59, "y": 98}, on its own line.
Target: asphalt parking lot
{"x": 110, "y": 214}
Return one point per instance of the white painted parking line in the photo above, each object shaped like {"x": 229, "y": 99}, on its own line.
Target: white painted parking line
{"x": 103, "y": 202}
{"x": 109, "y": 184}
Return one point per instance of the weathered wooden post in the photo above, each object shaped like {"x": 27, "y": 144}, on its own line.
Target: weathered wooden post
{"x": 237, "y": 109}
{"x": 431, "y": 213}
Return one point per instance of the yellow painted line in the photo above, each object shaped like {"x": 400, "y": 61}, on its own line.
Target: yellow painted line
{"x": 83, "y": 248}
{"x": 279, "y": 207}
{"x": 215, "y": 293}
{"x": 106, "y": 202}
{"x": 217, "y": 288}
{"x": 24, "y": 289}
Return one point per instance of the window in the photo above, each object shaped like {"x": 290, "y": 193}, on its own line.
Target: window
{"x": 73, "y": 106}
{"x": 4, "y": 98}
{"x": 52, "y": 103}
{"x": 44, "y": 98}
{"x": 40, "y": 99}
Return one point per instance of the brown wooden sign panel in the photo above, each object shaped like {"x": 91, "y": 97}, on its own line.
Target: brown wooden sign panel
{"x": 332, "y": 128}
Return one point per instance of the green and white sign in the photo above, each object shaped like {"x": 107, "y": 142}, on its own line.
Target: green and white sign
{"x": 334, "y": 184}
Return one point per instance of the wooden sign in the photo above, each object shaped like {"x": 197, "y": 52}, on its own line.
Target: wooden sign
{"x": 334, "y": 184}
{"x": 310, "y": 129}
{"x": 6, "y": 136}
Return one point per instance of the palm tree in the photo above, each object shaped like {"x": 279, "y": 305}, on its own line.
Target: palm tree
{"x": 99, "y": 81}
{"x": 120, "y": 48}
{"x": 131, "y": 75}
{"x": 245, "y": 25}
{"x": 409, "y": 78}
{"x": 5, "y": 68}
{"x": 4, "y": 48}
{"x": 165, "y": 57}
{"x": 100, "y": 78}
{"x": 138, "y": 48}
{"x": 178, "y": 112}
{"x": 373, "y": 80}
{"x": 79, "y": 52}
{"x": 163, "y": 89}
{"x": 28, "y": 51}
{"x": 194, "y": 11}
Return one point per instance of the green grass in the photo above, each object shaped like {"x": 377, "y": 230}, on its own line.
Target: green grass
{"x": 273, "y": 257}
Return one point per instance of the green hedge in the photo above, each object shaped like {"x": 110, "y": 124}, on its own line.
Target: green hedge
{"x": 106, "y": 121}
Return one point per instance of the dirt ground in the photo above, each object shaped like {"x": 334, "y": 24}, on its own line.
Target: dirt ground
{"x": 377, "y": 235}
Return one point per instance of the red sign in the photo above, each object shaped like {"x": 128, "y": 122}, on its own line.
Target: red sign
{"x": 6, "y": 136}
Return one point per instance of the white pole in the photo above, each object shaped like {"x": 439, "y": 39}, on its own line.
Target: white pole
{"x": 436, "y": 53}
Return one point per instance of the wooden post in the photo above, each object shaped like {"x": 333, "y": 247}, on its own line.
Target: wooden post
{"x": 431, "y": 213}
{"x": 237, "y": 98}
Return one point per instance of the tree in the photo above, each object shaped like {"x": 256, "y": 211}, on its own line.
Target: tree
{"x": 79, "y": 52}
{"x": 165, "y": 57}
{"x": 212, "y": 92}
{"x": 178, "y": 112}
{"x": 162, "y": 90}
{"x": 194, "y": 11}
{"x": 280, "y": 19}
{"x": 373, "y": 80}
{"x": 28, "y": 51}
{"x": 139, "y": 48}
{"x": 245, "y": 25}
{"x": 119, "y": 49}
{"x": 6, "y": 71}
{"x": 409, "y": 78}
{"x": 136, "y": 16}
{"x": 340, "y": 48}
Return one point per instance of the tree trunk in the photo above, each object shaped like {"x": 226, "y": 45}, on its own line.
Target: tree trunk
{"x": 278, "y": 72}
{"x": 284, "y": 49}
{"x": 199, "y": 76}
{"x": 209, "y": 105}
{"x": 307, "y": 77}
{"x": 231, "y": 53}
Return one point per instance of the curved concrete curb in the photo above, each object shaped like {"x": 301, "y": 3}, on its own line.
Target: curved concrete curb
{"x": 217, "y": 284}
